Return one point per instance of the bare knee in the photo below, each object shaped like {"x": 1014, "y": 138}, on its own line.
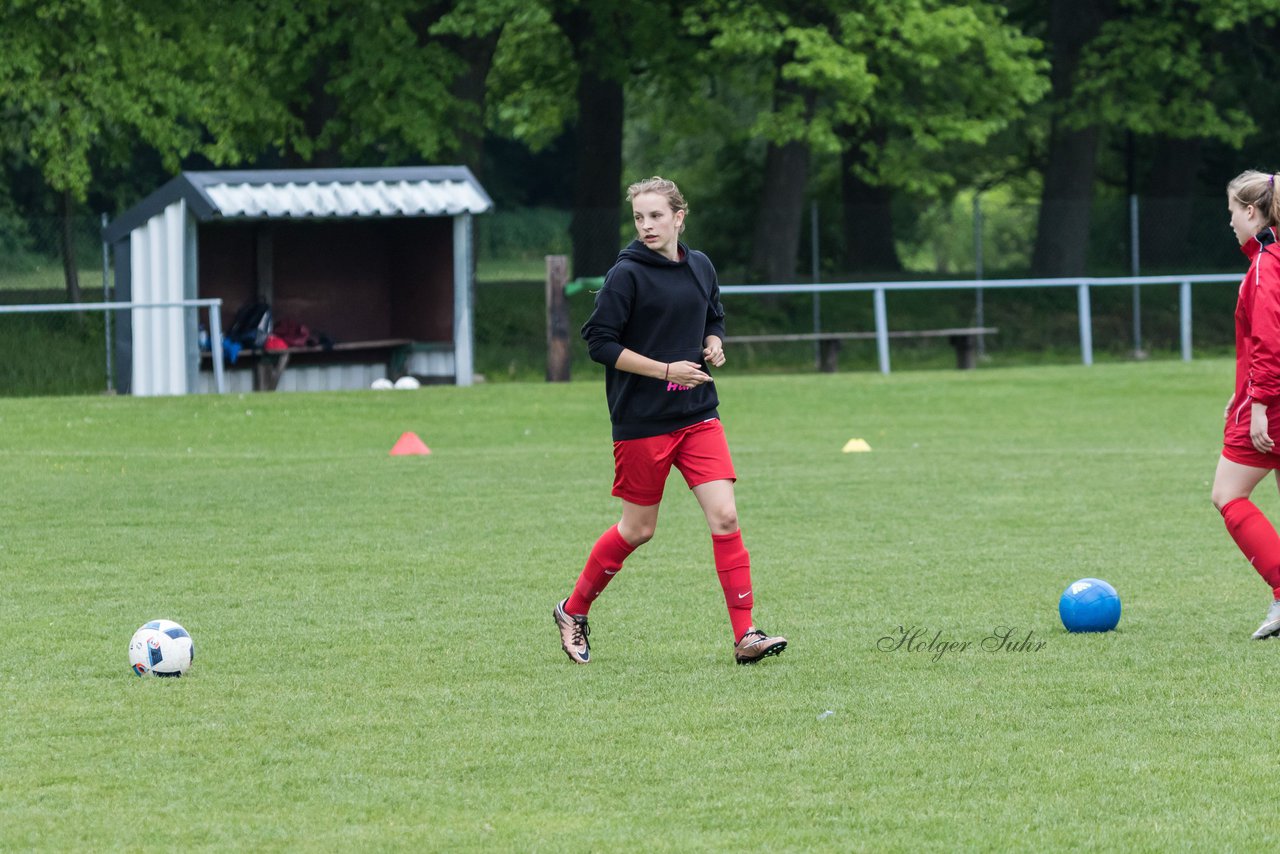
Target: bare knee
{"x": 723, "y": 520}
{"x": 1223, "y": 494}
{"x": 637, "y": 533}
{"x": 1233, "y": 481}
{"x": 1222, "y": 497}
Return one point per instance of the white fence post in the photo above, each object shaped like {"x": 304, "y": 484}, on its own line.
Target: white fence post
{"x": 215, "y": 346}
{"x": 1086, "y": 323}
{"x": 882, "y": 330}
{"x": 1184, "y": 319}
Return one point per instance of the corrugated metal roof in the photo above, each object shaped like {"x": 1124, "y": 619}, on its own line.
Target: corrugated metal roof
{"x": 401, "y": 191}
{"x": 345, "y": 199}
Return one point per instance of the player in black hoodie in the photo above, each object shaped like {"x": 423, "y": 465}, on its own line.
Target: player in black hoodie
{"x": 658, "y": 327}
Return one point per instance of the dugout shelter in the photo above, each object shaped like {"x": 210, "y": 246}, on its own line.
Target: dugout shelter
{"x": 376, "y": 263}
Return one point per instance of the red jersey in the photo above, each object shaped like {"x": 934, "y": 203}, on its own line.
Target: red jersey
{"x": 1257, "y": 340}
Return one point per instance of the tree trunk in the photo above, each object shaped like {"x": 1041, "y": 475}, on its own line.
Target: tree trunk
{"x": 776, "y": 244}
{"x": 321, "y": 108}
{"x": 868, "y": 221}
{"x": 597, "y": 182}
{"x": 1062, "y": 236}
{"x": 68, "y": 241}
{"x": 468, "y": 87}
{"x": 1166, "y": 209}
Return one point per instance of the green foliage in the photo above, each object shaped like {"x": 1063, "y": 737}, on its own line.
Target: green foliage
{"x": 81, "y": 79}
{"x": 941, "y": 72}
{"x": 17, "y": 244}
{"x": 822, "y": 79}
{"x": 1169, "y": 68}
{"x": 950, "y": 77}
{"x": 947, "y": 227}
{"x": 936, "y": 98}
{"x": 533, "y": 79}
{"x": 387, "y": 83}
{"x": 928, "y": 94}
{"x": 29, "y": 245}
{"x": 545, "y": 46}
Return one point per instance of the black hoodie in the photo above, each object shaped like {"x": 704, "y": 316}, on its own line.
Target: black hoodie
{"x": 662, "y": 309}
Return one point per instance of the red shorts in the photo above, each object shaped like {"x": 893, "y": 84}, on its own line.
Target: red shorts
{"x": 1238, "y": 448}
{"x": 1251, "y": 457}
{"x": 640, "y": 466}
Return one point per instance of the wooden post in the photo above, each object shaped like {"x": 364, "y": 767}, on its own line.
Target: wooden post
{"x": 828, "y": 355}
{"x": 557, "y": 320}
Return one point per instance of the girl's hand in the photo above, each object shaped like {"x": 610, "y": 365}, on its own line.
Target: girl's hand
{"x": 1258, "y": 433}
{"x": 713, "y": 351}
{"x": 687, "y": 374}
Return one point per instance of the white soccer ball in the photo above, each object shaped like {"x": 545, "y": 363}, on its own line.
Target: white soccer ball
{"x": 161, "y": 648}
{"x": 381, "y": 384}
{"x": 408, "y": 382}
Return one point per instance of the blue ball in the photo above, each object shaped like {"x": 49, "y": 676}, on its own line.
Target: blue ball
{"x": 1089, "y": 605}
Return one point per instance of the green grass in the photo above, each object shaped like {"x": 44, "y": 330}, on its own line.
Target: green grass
{"x": 50, "y": 353}
{"x": 527, "y": 270}
{"x": 377, "y": 668}
{"x": 49, "y": 277}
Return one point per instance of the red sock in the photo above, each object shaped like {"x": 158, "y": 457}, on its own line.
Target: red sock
{"x": 1257, "y": 538}
{"x": 733, "y": 567}
{"x": 603, "y": 563}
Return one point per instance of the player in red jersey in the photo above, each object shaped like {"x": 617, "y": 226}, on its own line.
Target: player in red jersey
{"x": 1252, "y": 429}
{"x": 658, "y": 328}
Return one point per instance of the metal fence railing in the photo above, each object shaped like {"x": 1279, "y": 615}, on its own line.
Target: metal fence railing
{"x": 215, "y": 322}
{"x": 1082, "y": 286}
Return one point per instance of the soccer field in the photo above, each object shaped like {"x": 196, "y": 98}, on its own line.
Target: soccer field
{"x": 377, "y": 668}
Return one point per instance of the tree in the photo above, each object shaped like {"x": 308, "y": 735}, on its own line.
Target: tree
{"x": 597, "y": 36}
{"x": 1062, "y": 236}
{"x": 86, "y": 84}
{"x": 815, "y": 79}
{"x": 887, "y": 85}
{"x": 1169, "y": 72}
{"x": 568, "y": 64}
{"x": 92, "y": 79}
{"x": 866, "y": 206}
{"x": 951, "y": 77}
{"x": 398, "y": 82}
{"x": 1175, "y": 79}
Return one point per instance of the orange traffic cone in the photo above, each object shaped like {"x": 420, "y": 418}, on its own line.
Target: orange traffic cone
{"x": 409, "y": 444}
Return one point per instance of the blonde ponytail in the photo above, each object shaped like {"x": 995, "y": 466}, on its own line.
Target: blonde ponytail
{"x": 1252, "y": 187}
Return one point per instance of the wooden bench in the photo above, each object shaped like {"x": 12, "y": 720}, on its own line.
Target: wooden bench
{"x": 963, "y": 339}
{"x": 270, "y": 365}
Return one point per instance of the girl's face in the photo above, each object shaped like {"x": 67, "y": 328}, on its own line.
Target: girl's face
{"x": 657, "y": 225}
{"x": 1245, "y": 221}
